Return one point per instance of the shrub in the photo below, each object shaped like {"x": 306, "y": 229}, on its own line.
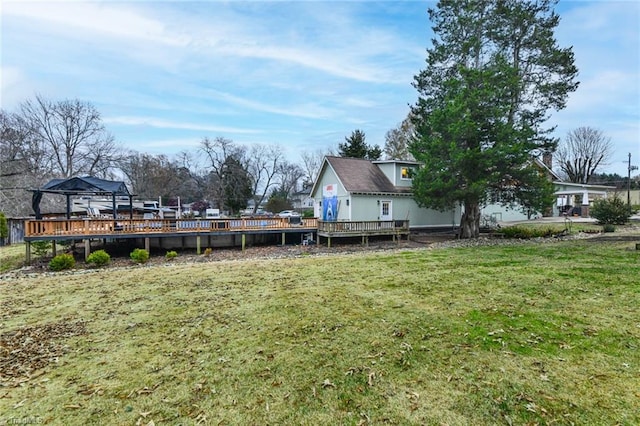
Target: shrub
{"x": 526, "y": 232}
{"x": 41, "y": 248}
{"x": 139, "y": 255}
{"x": 62, "y": 262}
{"x": 517, "y": 232}
{"x": 608, "y": 227}
{"x": 208, "y": 251}
{"x": 611, "y": 211}
{"x": 4, "y": 227}
{"x": 99, "y": 258}
{"x": 171, "y": 255}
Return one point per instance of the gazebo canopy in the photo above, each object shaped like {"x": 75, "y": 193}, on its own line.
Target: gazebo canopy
{"x": 86, "y": 185}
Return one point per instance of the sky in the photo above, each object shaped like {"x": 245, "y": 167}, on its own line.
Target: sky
{"x": 299, "y": 74}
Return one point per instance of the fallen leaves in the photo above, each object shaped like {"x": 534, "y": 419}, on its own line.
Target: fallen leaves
{"x": 28, "y": 349}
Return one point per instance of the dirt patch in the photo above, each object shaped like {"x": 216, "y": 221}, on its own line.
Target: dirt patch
{"x": 28, "y": 349}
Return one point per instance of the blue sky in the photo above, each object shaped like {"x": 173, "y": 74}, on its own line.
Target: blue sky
{"x": 302, "y": 75}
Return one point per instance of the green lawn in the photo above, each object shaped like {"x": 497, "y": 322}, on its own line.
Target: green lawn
{"x": 514, "y": 334}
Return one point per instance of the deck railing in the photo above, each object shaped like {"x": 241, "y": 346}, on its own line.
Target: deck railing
{"x": 91, "y": 226}
{"x": 364, "y": 227}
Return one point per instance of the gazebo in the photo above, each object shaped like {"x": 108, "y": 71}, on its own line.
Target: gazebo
{"x": 77, "y": 186}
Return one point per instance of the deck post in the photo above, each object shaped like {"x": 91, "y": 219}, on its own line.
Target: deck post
{"x": 328, "y": 242}
{"x": 283, "y": 239}
{"x": 244, "y": 241}
{"x": 54, "y": 248}
{"x": 147, "y": 246}
{"x": 28, "y": 252}
{"x": 198, "y": 251}
{"x": 87, "y": 248}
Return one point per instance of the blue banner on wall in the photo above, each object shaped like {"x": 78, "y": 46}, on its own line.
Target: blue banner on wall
{"x": 330, "y": 203}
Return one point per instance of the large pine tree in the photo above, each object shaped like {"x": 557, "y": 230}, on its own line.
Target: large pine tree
{"x": 492, "y": 76}
{"x": 356, "y": 147}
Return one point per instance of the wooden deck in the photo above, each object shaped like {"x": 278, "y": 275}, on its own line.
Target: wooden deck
{"x": 87, "y": 229}
{"x": 363, "y": 229}
{"x": 59, "y": 229}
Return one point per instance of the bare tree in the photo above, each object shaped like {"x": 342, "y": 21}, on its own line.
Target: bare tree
{"x": 150, "y": 176}
{"x": 263, "y": 166}
{"x": 311, "y": 163}
{"x": 217, "y": 154}
{"x": 72, "y": 136}
{"x": 290, "y": 175}
{"x": 396, "y": 146}
{"x": 582, "y": 152}
{"x": 22, "y": 164}
{"x": 193, "y": 174}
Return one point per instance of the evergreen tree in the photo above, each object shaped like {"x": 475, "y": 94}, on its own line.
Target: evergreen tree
{"x": 236, "y": 185}
{"x": 356, "y": 147}
{"x": 492, "y": 75}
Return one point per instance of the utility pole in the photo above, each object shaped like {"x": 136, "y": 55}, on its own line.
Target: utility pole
{"x": 629, "y": 169}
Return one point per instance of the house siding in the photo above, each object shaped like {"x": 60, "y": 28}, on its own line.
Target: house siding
{"x": 503, "y": 214}
{"x": 393, "y": 171}
{"x": 366, "y": 207}
{"x": 329, "y": 177}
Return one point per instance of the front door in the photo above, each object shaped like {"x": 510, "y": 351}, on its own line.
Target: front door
{"x": 385, "y": 210}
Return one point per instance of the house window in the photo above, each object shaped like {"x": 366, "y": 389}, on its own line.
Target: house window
{"x": 385, "y": 208}
{"x": 405, "y": 173}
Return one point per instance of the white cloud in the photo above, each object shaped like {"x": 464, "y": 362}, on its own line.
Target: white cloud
{"x": 161, "y": 146}
{"x": 308, "y": 110}
{"x": 116, "y": 20}
{"x": 166, "y": 124}
{"x": 605, "y": 90}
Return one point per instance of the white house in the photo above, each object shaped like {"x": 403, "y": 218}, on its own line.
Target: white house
{"x": 353, "y": 189}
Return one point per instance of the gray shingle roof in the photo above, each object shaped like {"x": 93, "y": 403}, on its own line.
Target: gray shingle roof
{"x": 358, "y": 175}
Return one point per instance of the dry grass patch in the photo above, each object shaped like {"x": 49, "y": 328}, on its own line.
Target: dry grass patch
{"x": 11, "y": 257}
{"x": 518, "y": 334}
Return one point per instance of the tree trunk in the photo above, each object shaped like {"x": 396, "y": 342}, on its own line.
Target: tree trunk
{"x": 470, "y": 221}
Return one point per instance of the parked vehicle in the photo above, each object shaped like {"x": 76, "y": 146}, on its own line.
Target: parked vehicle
{"x": 289, "y": 213}
{"x": 212, "y": 214}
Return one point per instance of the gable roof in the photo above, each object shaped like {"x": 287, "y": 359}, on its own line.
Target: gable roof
{"x": 546, "y": 169}
{"x": 362, "y": 176}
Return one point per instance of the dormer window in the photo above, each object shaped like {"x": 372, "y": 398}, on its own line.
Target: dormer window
{"x": 405, "y": 173}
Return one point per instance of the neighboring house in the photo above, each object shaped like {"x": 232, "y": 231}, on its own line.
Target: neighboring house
{"x": 571, "y": 198}
{"x": 501, "y": 213}
{"x": 353, "y": 189}
{"x": 576, "y": 198}
{"x": 302, "y": 200}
